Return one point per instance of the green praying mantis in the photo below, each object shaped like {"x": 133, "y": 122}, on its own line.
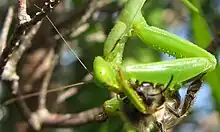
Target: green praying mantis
{"x": 191, "y": 64}
{"x": 150, "y": 89}
{"x": 149, "y": 92}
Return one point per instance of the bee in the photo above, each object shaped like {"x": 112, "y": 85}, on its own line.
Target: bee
{"x": 165, "y": 107}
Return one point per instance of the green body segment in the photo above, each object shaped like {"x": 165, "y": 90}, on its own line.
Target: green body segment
{"x": 160, "y": 72}
{"x": 192, "y": 60}
{"x": 131, "y": 93}
{"x": 122, "y": 25}
{"x": 115, "y": 50}
{"x": 169, "y": 43}
{"x": 112, "y": 106}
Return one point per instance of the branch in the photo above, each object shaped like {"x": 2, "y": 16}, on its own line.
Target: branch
{"x": 23, "y": 17}
{"x": 45, "y": 84}
{"x": 64, "y": 95}
{"x": 71, "y": 25}
{"x": 42, "y": 116}
{"x": 24, "y": 110}
{"x": 20, "y": 29}
{"x": 6, "y": 28}
{"x": 66, "y": 120}
{"x": 215, "y": 44}
{"x": 9, "y": 72}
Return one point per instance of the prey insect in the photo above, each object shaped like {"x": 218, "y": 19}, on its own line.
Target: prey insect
{"x": 169, "y": 110}
{"x": 164, "y": 105}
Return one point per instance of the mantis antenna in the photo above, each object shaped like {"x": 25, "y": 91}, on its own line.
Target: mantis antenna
{"x": 73, "y": 52}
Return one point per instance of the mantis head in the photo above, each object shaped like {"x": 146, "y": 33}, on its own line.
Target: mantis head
{"x": 104, "y": 74}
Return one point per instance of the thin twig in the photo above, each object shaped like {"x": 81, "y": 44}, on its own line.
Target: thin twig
{"x": 75, "y": 21}
{"x": 43, "y": 117}
{"x": 65, "y": 95}
{"x": 85, "y": 117}
{"x": 6, "y": 28}
{"x": 215, "y": 44}
{"x": 25, "y": 111}
{"x": 45, "y": 84}
{"x": 91, "y": 8}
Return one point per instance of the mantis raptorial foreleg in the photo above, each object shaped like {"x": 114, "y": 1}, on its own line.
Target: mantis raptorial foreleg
{"x": 192, "y": 60}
